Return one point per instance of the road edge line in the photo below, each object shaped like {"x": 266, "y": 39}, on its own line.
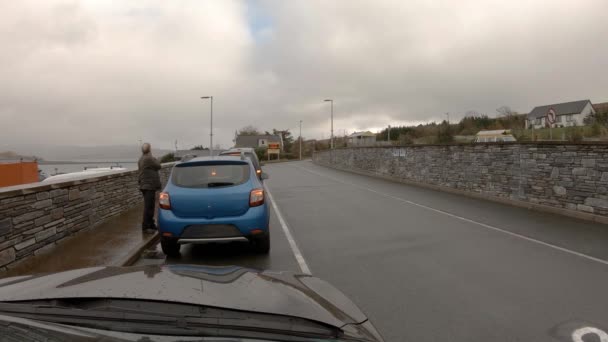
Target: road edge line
{"x": 134, "y": 255}
{"x": 487, "y": 226}
{"x": 290, "y": 239}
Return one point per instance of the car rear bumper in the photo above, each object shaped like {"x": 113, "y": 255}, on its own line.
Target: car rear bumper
{"x": 193, "y": 230}
{"x": 212, "y": 240}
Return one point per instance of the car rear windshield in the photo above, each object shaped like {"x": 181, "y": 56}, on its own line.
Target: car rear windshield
{"x": 210, "y": 175}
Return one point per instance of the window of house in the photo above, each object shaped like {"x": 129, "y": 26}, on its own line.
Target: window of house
{"x": 538, "y": 121}
{"x": 558, "y": 118}
{"x": 569, "y": 118}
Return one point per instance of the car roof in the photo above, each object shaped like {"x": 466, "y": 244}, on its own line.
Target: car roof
{"x": 214, "y": 158}
{"x": 240, "y": 149}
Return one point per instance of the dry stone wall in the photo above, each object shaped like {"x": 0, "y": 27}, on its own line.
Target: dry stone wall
{"x": 34, "y": 217}
{"x": 573, "y": 177}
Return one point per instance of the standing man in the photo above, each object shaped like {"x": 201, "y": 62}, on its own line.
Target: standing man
{"x": 149, "y": 183}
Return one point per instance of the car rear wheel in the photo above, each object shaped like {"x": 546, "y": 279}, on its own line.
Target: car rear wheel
{"x": 170, "y": 247}
{"x": 261, "y": 244}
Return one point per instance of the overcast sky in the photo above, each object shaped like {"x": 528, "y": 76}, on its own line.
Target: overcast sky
{"x": 113, "y": 72}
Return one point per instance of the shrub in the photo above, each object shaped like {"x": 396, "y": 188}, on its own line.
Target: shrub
{"x": 574, "y": 134}
{"x": 260, "y": 152}
{"x": 168, "y": 158}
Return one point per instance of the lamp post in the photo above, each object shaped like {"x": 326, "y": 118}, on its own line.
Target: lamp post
{"x": 448, "y": 115}
{"x": 300, "y": 139}
{"x": 211, "y": 126}
{"x": 331, "y": 140}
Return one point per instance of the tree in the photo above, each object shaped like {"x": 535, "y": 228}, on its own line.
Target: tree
{"x": 600, "y": 118}
{"x": 199, "y": 148}
{"x": 295, "y": 149}
{"x": 287, "y": 139}
{"x": 167, "y": 158}
{"x": 505, "y": 111}
{"x": 444, "y": 134}
{"x": 249, "y": 130}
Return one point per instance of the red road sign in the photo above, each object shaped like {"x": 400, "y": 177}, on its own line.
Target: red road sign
{"x": 551, "y": 116}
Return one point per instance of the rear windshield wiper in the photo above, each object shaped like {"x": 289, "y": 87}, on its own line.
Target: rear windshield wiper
{"x": 216, "y": 184}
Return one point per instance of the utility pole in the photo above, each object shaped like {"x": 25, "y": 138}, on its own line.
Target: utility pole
{"x": 211, "y": 126}
{"x": 300, "y": 139}
{"x": 448, "y": 115}
{"x": 332, "y": 123}
{"x": 389, "y": 133}
{"x": 176, "y": 146}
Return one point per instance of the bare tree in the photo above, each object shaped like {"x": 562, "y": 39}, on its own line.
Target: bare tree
{"x": 472, "y": 114}
{"x": 249, "y": 130}
{"x": 505, "y": 111}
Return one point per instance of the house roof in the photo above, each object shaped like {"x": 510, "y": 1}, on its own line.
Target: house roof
{"x": 252, "y": 140}
{"x": 573, "y": 107}
{"x": 363, "y": 134}
{"x": 600, "y": 106}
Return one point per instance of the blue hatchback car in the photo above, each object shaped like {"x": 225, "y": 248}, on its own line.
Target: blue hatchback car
{"x": 213, "y": 199}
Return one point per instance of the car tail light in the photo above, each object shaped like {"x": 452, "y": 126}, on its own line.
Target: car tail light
{"x": 163, "y": 201}
{"x": 259, "y": 172}
{"x": 256, "y": 197}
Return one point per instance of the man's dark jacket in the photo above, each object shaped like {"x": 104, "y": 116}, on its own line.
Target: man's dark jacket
{"x": 149, "y": 178}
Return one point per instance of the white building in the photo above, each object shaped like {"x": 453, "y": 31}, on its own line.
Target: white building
{"x": 362, "y": 139}
{"x": 567, "y": 114}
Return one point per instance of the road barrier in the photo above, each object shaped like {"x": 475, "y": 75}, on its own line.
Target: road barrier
{"x": 34, "y": 217}
{"x": 565, "y": 179}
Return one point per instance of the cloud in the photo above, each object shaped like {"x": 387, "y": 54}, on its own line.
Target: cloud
{"x": 96, "y": 72}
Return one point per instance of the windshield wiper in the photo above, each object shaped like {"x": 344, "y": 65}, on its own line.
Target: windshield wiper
{"x": 150, "y": 317}
{"x": 216, "y": 184}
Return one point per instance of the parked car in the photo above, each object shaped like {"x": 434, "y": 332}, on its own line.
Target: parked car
{"x": 178, "y": 303}
{"x": 249, "y": 153}
{"x": 213, "y": 199}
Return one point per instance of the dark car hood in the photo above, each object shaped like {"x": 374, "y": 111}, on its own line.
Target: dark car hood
{"x": 281, "y": 293}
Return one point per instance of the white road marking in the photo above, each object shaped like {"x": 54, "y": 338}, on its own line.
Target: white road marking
{"x": 562, "y": 249}
{"x": 578, "y": 334}
{"x": 292, "y": 242}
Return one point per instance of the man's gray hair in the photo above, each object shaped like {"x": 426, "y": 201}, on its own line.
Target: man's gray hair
{"x": 146, "y": 148}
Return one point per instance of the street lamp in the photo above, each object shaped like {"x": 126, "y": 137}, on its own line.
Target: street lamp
{"x": 211, "y": 127}
{"x": 332, "y": 122}
{"x": 300, "y": 139}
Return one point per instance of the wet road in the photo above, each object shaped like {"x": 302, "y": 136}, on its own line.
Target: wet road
{"x": 430, "y": 266}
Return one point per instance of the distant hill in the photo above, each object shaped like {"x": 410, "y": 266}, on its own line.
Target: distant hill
{"x": 110, "y": 153}
{"x": 10, "y": 155}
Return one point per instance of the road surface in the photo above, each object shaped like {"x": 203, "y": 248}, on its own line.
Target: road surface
{"x": 430, "y": 266}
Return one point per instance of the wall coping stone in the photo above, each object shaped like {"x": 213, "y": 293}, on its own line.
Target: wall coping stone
{"x": 32, "y": 188}
{"x": 500, "y": 143}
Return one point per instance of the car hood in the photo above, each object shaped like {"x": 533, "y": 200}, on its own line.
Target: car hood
{"x": 281, "y": 293}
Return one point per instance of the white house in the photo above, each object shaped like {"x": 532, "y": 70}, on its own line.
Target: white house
{"x": 362, "y": 139}
{"x": 567, "y": 114}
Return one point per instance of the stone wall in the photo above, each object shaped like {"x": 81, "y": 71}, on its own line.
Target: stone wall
{"x": 34, "y": 217}
{"x": 572, "y": 178}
